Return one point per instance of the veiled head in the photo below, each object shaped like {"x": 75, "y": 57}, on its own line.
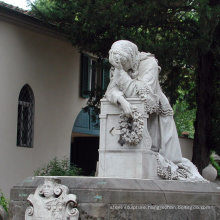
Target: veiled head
{"x": 127, "y": 53}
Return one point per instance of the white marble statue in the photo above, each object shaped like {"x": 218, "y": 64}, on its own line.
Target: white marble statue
{"x": 135, "y": 74}
{"x": 51, "y": 201}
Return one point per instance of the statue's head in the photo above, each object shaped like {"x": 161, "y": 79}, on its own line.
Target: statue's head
{"x": 127, "y": 53}
{"x": 50, "y": 188}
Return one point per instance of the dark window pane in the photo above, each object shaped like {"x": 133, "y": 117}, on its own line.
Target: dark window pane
{"x": 25, "y": 117}
{"x": 85, "y": 76}
{"x": 93, "y": 83}
{"x": 105, "y": 79}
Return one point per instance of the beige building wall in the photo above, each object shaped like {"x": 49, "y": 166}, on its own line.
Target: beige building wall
{"x": 51, "y": 67}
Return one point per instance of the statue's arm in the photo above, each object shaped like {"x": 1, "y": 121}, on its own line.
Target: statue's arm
{"x": 115, "y": 94}
{"x": 127, "y": 85}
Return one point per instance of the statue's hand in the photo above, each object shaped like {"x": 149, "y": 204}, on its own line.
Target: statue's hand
{"x": 126, "y": 106}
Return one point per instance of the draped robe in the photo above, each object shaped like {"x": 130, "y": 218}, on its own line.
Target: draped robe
{"x": 161, "y": 126}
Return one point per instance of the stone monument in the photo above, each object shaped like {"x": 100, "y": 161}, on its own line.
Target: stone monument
{"x": 52, "y": 201}
{"x": 141, "y": 172}
{"x": 150, "y": 147}
{"x": 104, "y": 198}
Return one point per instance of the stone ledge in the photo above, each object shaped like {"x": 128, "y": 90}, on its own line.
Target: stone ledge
{"x": 116, "y": 190}
{"x": 115, "y": 198}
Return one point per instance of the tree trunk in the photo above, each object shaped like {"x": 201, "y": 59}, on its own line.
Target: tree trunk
{"x": 202, "y": 142}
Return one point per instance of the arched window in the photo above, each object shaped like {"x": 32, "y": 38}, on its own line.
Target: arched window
{"x": 25, "y": 124}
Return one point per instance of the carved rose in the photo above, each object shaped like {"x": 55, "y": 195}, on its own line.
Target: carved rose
{"x": 123, "y": 131}
{"x": 124, "y": 124}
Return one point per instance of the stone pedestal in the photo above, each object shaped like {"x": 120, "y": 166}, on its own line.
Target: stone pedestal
{"x": 127, "y": 161}
{"x": 136, "y": 199}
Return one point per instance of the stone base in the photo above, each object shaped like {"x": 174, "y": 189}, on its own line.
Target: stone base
{"x": 127, "y": 161}
{"x": 115, "y": 198}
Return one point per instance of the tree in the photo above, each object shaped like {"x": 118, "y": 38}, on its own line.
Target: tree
{"x": 184, "y": 36}
{"x": 209, "y": 32}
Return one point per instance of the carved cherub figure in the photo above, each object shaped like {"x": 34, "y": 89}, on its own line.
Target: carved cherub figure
{"x": 51, "y": 201}
{"x": 48, "y": 189}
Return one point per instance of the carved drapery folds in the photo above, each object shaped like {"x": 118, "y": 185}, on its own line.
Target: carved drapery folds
{"x": 153, "y": 104}
{"x": 51, "y": 201}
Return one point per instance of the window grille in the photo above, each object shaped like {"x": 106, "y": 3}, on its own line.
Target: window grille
{"x": 25, "y": 121}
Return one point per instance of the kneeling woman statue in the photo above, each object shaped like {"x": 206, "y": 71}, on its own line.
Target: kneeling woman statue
{"x": 135, "y": 74}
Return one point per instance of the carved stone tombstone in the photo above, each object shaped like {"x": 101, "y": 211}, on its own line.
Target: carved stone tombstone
{"x": 51, "y": 201}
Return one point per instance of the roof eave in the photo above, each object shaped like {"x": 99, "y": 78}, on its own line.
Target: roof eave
{"x": 28, "y": 22}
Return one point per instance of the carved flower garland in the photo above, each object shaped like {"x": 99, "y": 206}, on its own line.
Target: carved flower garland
{"x": 131, "y": 127}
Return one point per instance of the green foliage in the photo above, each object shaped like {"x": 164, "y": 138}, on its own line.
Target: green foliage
{"x": 94, "y": 25}
{"x": 185, "y": 106}
{"x": 58, "y": 168}
{"x": 184, "y": 118}
{"x": 43, "y": 5}
{"x": 215, "y": 164}
{"x": 4, "y": 202}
